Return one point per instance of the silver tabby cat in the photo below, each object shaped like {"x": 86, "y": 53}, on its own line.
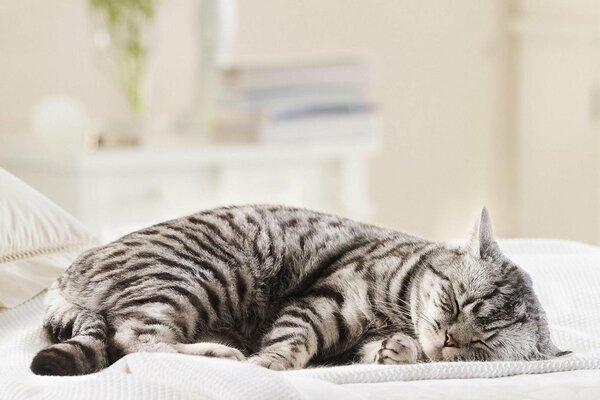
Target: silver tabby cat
{"x": 285, "y": 288}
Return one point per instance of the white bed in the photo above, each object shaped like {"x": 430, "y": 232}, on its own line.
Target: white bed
{"x": 566, "y": 277}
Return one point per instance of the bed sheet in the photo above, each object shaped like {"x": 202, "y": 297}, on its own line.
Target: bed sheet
{"x": 571, "y": 385}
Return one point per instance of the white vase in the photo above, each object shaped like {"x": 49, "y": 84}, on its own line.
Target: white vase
{"x": 216, "y": 27}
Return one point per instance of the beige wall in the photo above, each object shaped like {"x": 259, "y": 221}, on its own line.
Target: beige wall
{"x": 557, "y": 119}
{"x": 443, "y": 79}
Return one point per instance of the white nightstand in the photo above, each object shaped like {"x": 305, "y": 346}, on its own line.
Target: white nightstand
{"x": 113, "y": 191}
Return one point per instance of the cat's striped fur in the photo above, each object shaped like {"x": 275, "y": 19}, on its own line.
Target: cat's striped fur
{"x": 286, "y": 287}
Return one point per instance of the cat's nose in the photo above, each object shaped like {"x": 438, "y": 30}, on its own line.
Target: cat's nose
{"x": 450, "y": 342}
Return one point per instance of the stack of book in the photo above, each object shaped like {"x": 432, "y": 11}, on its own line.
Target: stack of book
{"x": 297, "y": 102}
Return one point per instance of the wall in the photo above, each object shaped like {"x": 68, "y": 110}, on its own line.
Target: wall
{"x": 557, "y": 119}
{"x": 443, "y": 80}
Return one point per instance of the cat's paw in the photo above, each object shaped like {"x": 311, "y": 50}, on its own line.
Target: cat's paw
{"x": 273, "y": 361}
{"x": 209, "y": 349}
{"x": 397, "y": 349}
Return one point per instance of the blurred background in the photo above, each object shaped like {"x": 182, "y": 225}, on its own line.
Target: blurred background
{"x": 408, "y": 114}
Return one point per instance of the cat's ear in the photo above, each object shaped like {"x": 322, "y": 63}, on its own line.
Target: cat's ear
{"x": 482, "y": 242}
{"x": 548, "y": 350}
{"x": 545, "y": 348}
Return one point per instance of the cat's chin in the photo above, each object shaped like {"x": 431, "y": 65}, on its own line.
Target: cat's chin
{"x": 450, "y": 354}
{"x": 436, "y": 353}
{"x": 443, "y": 354}
{"x": 432, "y": 352}
{"x": 435, "y": 356}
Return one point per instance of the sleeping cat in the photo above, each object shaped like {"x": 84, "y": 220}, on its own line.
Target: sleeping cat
{"x": 284, "y": 288}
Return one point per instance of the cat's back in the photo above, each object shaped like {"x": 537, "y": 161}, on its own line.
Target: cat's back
{"x": 264, "y": 232}
{"x": 260, "y": 241}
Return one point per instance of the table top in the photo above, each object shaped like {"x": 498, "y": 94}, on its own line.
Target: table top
{"x": 36, "y": 154}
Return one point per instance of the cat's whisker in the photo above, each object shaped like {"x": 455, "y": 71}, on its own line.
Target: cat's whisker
{"x": 405, "y": 308}
{"x": 391, "y": 307}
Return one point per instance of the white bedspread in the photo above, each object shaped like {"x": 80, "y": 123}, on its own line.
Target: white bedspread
{"x": 566, "y": 277}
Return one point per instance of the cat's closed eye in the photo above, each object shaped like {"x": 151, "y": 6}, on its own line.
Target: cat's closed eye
{"x": 481, "y": 343}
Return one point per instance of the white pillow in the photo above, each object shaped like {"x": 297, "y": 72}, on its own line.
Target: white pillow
{"x": 38, "y": 241}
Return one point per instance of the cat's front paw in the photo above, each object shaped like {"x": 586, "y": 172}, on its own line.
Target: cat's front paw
{"x": 397, "y": 349}
{"x": 273, "y": 361}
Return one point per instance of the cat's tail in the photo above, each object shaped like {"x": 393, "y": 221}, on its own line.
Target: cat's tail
{"x": 79, "y": 336}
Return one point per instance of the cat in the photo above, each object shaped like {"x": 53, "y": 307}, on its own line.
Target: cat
{"x": 284, "y": 288}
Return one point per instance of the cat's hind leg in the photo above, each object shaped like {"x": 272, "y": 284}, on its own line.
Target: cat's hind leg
{"x": 210, "y": 349}
{"x": 132, "y": 338}
{"x": 142, "y": 335}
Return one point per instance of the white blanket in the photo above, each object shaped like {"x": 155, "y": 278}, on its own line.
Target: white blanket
{"x": 566, "y": 277}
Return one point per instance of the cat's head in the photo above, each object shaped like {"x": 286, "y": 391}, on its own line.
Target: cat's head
{"x": 473, "y": 303}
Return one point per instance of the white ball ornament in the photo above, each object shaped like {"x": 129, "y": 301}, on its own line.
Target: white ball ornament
{"x": 59, "y": 119}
